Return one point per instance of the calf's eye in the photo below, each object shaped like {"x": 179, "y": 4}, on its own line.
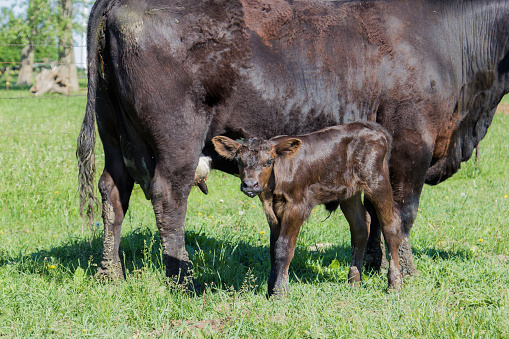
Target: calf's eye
{"x": 268, "y": 163}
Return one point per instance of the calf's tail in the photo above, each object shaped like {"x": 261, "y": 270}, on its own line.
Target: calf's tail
{"x": 388, "y": 136}
{"x": 377, "y": 127}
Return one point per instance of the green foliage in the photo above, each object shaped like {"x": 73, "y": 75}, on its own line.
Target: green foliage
{"x": 34, "y": 26}
{"x": 41, "y": 24}
{"x": 48, "y": 289}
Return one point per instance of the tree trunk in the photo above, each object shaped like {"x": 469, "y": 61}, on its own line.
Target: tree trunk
{"x": 65, "y": 45}
{"x": 25, "y": 76}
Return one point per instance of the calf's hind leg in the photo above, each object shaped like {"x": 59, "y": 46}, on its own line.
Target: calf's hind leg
{"x": 391, "y": 230}
{"x": 359, "y": 220}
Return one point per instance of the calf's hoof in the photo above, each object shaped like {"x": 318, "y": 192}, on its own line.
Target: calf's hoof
{"x": 395, "y": 281}
{"x": 354, "y": 277}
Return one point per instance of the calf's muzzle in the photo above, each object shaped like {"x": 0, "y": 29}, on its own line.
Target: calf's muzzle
{"x": 250, "y": 187}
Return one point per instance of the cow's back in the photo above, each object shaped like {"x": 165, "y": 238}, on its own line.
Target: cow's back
{"x": 266, "y": 68}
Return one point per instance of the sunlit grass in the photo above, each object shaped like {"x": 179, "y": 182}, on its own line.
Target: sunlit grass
{"x": 48, "y": 289}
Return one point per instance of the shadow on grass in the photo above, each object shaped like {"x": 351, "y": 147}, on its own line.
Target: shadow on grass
{"x": 435, "y": 254}
{"x": 217, "y": 263}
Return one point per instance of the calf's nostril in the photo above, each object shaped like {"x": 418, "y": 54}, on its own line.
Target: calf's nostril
{"x": 249, "y": 185}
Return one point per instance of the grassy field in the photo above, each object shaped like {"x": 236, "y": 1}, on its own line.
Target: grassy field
{"x": 47, "y": 266}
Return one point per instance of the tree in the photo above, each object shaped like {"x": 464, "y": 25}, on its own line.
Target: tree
{"x": 33, "y": 31}
{"x": 13, "y": 39}
{"x": 37, "y": 31}
{"x": 65, "y": 43}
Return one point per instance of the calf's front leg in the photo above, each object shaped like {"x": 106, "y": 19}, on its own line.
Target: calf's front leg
{"x": 283, "y": 237}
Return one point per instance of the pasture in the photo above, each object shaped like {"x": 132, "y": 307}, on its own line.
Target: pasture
{"x": 47, "y": 287}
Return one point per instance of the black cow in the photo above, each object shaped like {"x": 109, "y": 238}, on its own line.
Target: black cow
{"x": 167, "y": 76}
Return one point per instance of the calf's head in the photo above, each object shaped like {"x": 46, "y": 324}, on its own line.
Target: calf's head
{"x": 255, "y": 158}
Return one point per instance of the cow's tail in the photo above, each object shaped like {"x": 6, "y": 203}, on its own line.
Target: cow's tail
{"x": 89, "y": 204}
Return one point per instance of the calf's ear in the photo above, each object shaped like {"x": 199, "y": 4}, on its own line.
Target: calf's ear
{"x": 288, "y": 148}
{"x": 225, "y": 147}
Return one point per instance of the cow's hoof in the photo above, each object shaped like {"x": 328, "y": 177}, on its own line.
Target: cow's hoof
{"x": 277, "y": 295}
{"x": 278, "y": 292}
{"x": 374, "y": 260}
{"x": 394, "y": 288}
{"x": 408, "y": 271}
{"x": 406, "y": 258}
{"x": 110, "y": 272}
{"x": 193, "y": 286}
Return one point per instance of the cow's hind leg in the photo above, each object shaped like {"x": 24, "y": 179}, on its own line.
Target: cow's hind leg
{"x": 359, "y": 221}
{"x": 115, "y": 186}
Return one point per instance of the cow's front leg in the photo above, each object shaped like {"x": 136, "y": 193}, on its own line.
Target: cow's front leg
{"x": 408, "y": 211}
{"x": 283, "y": 237}
{"x": 374, "y": 255}
{"x": 359, "y": 221}
{"x": 169, "y": 191}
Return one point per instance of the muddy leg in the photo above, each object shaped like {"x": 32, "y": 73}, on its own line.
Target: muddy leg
{"x": 169, "y": 192}
{"x": 408, "y": 214}
{"x": 115, "y": 186}
{"x": 359, "y": 221}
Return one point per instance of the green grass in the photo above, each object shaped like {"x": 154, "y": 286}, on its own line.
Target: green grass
{"x": 47, "y": 286}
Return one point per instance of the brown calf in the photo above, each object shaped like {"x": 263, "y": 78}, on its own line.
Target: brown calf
{"x": 332, "y": 166}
